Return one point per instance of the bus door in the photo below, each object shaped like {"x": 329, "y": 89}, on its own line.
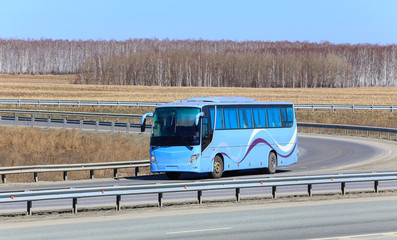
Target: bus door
{"x": 207, "y": 126}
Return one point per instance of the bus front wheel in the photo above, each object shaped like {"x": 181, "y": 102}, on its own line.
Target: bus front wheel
{"x": 272, "y": 163}
{"x": 218, "y": 167}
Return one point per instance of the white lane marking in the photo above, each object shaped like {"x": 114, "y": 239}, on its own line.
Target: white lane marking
{"x": 392, "y": 235}
{"x": 200, "y": 230}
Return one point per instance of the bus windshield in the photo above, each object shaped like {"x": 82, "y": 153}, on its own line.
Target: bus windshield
{"x": 175, "y": 126}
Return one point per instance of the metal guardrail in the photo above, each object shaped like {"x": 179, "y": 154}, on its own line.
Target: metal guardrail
{"x": 346, "y": 107}
{"x": 33, "y": 120}
{"x": 78, "y": 103}
{"x": 199, "y": 187}
{"x": 65, "y": 168}
{"x": 69, "y": 114}
{"x": 20, "y": 102}
{"x": 346, "y": 128}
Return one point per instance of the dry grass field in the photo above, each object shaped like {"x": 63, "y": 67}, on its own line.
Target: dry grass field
{"x": 60, "y": 87}
{"x": 32, "y": 146}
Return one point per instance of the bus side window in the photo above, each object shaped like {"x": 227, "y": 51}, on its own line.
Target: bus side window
{"x": 212, "y": 115}
{"x": 290, "y": 116}
{"x": 274, "y": 117}
{"x": 260, "y": 117}
{"x": 245, "y": 115}
{"x": 284, "y": 121}
{"x": 219, "y": 118}
{"x": 230, "y": 116}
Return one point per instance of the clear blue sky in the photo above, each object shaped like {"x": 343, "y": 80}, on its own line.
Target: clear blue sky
{"x": 336, "y": 21}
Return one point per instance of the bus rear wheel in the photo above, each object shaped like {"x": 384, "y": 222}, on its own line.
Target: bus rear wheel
{"x": 218, "y": 167}
{"x": 272, "y": 163}
{"x": 173, "y": 175}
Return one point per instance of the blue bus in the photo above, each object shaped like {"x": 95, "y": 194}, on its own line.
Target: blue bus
{"x": 217, "y": 134}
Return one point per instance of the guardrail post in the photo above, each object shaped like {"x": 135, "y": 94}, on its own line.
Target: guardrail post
{"x": 64, "y": 123}
{"x": 388, "y": 136}
{"x": 136, "y": 171}
{"x": 309, "y": 190}
{"x": 127, "y": 130}
{"x": 368, "y": 134}
{"x": 238, "y": 194}
{"x": 15, "y": 121}
{"x": 115, "y": 172}
{"x": 32, "y": 121}
{"x": 376, "y": 186}
{"x": 200, "y": 197}
{"x": 91, "y": 174}
{"x": 29, "y": 208}
{"x": 74, "y": 205}
{"x": 118, "y": 202}
{"x": 160, "y": 200}
{"x": 346, "y": 132}
{"x": 343, "y": 188}
{"x": 48, "y": 122}
{"x": 35, "y": 176}
{"x": 3, "y": 178}
{"x": 378, "y": 134}
{"x": 113, "y": 124}
{"x": 96, "y": 125}
{"x": 274, "y": 192}
{"x": 80, "y": 125}
{"x": 65, "y": 175}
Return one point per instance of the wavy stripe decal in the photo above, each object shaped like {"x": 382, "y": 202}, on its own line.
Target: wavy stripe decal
{"x": 285, "y": 148}
{"x": 256, "y": 142}
{"x": 288, "y": 148}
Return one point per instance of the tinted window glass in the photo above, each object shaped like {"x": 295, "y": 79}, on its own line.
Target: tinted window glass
{"x": 287, "y": 116}
{"x": 175, "y": 127}
{"x": 230, "y": 115}
{"x": 290, "y": 114}
{"x": 212, "y": 116}
{"x": 259, "y": 117}
{"x": 274, "y": 116}
{"x": 245, "y": 116}
{"x": 219, "y": 118}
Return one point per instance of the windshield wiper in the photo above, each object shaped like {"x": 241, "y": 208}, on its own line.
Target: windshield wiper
{"x": 189, "y": 147}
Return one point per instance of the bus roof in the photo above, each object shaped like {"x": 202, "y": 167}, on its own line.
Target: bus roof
{"x": 203, "y": 101}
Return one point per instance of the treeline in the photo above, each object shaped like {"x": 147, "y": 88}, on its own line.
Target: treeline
{"x": 205, "y": 63}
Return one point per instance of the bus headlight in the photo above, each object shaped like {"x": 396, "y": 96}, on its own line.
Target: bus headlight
{"x": 193, "y": 158}
{"x": 153, "y": 159}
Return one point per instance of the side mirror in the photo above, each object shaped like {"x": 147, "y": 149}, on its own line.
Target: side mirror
{"x": 197, "y": 119}
{"x": 143, "y": 120}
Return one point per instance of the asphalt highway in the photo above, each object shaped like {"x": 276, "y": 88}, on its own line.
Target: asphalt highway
{"x": 372, "y": 218}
